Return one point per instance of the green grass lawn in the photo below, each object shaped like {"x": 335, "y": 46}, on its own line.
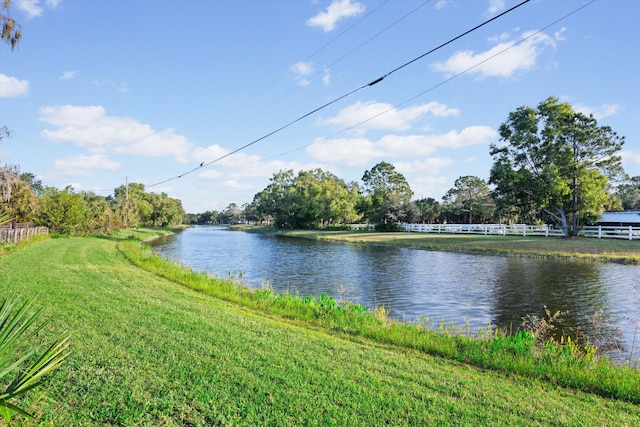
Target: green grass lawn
{"x": 147, "y": 351}
{"x": 615, "y": 250}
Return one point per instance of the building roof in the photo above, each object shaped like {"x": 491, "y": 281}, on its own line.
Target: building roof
{"x": 627, "y": 217}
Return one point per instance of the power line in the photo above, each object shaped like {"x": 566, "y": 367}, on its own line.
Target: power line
{"x": 288, "y": 72}
{"x": 514, "y": 44}
{"x": 372, "y": 83}
{"x": 411, "y": 12}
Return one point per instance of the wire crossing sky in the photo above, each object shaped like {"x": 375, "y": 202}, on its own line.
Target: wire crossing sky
{"x": 179, "y": 86}
{"x": 322, "y": 107}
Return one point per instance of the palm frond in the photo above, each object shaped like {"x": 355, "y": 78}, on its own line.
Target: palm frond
{"x": 17, "y": 326}
{"x": 5, "y": 217}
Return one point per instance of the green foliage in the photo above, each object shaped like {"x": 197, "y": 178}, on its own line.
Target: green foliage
{"x": 555, "y": 162}
{"x": 63, "y": 211}
{"x": 5, "y": 217}
{"x": 470, "y": 200}
{"x": 387, "y": 194}
{"x": 491, "y": 349}
{"x": 428, "y": 210}
{"x": 312, "y": 199}
{"x": 629, "y": 193}
{"x": 149, "y": 352}
{"x": 22, "y": 370}
{"x": 389, "y": 227}
{"x": 138, "y": 208}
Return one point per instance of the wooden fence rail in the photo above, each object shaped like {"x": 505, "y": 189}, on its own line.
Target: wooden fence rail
{"x": 14, "y": 235}
{"x": 624, "y": 232}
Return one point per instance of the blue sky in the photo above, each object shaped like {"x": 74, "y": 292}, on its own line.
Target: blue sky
{"x": 103, "y": 91}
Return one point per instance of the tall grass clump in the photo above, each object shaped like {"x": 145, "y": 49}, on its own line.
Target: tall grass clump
{"x": 525, "y": 352}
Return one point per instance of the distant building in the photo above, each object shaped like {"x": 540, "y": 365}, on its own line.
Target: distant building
{"x": 620, "y": 219}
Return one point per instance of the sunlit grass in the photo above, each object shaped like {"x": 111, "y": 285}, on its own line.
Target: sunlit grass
{"x": 147, "y": 351}
{"x": 550, "y": 362}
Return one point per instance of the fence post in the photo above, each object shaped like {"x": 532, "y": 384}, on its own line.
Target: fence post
{"x": 599, "y": 231}
{"x": 630, "y": 233}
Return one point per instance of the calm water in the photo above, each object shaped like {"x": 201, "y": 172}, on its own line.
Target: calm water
{"x": 411, "y": 282}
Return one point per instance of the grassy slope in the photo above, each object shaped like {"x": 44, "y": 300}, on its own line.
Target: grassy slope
{"x": 616, "y": 250}
{"x": 149, "y": 352}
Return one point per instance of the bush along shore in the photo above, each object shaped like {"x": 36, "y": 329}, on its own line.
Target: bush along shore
{"x": 526, "y": 352}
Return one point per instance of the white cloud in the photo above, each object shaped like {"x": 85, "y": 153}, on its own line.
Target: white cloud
{"x": 429, "y": 185}
{"x": 497, "y": 61}
{"x": 233, "y": 185}
{"x": 441, "y": 4}
{"x": 558, "y": 35}
{"x": 207, "y": 154}
{"x": 500, "y": 38}
{"x": 67, "y": 75}
{"x": 33, "y": 8}
{"x": 326, "y": 79}
{"x": 11, "y": 87}
{"x": 92, "y": 128}
{"x": 301, "y": 70}
{"x": 241, "y": 166}
{"x": 598, "y": 113}
{"x": 337, "y": 10}
{"x": 348, "y": 152}
{"x": 360, "y": 151}
{"x": 631, "y": 156}
{"x": 378, "y": 115}
{"x": 432, "y": 165}
{"x": 84, "y": 165}
{"x": 441, "y": 110}
{"x": 425, "y": 176}
{"x": 495, "y": 6}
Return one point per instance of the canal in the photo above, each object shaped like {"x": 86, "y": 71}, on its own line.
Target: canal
{"x": 463, "y": 289}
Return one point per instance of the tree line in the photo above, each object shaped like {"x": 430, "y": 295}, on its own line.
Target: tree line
{"x": 26, "y": 200}
{"x": 551, "y": 165}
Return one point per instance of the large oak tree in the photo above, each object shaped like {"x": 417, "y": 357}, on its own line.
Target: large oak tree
{"x": 556, "y": 161}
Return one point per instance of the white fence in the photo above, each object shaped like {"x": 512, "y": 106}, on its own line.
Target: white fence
{"x": 612, "y": 232}
{"x": 600, "y": 232}
{"x": 500, "y": 229}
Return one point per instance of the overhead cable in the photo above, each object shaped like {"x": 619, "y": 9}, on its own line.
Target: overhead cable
{"x": 372, "y": 83}
{"x": 406, "y": 101}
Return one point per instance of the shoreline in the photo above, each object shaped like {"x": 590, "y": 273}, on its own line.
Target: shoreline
{"x": 576, "y": 249}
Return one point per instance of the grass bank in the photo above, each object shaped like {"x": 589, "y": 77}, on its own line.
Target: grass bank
{"x": 147, "y": 351}
{"x": 568, "y": 365}
{"x": 608, "y": 250}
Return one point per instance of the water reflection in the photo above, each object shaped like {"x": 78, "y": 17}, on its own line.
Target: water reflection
{"x": 526, "y": 285}
{"x": 412, "y": 282}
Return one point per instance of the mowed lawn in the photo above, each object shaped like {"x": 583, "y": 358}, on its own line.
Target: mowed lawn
{"x": 146, "y": 351}
{"x": 616, "y": 250}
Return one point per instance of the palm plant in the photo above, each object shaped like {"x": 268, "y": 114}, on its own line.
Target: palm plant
{"x": 27, "y": 368}
{"x": 5, "y": 217}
